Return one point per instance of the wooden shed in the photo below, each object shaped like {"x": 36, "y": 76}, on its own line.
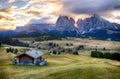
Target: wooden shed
{"x": 33, "y": 57}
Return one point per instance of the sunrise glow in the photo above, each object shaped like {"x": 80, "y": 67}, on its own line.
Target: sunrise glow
{"x": 16, "y": 13}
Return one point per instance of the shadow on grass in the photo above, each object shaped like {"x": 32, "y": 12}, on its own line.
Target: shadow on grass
{"x": 3, "y": 74}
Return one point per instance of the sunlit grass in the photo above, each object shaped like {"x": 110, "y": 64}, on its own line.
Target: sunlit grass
{"x": 64, "y": 66}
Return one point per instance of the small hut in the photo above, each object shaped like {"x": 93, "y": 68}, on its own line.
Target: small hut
{"x": 33, "y": 57}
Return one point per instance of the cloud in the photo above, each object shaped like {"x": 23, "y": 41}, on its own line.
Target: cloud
{"x": 6, "y": 18}
{"x": 47, "y": 1}
{"x": 7, "y": 10}
{"x": 90, "y": 6}
{"x": 118, "y": 17}
{"x": 34, "y": 12}
{"x": 42, "y": 7}
{"x": 37, "y": 21}
{"x": 6, "y": 26}
{"x": 10, "y": 1}
{"x": 44, "y": 19}
{"x": 20, "y": 12}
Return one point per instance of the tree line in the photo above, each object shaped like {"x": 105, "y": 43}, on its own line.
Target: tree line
{"x": 108, "y": 55}
{"x": 14, "y": 42}
{"x": 48, "y": 37}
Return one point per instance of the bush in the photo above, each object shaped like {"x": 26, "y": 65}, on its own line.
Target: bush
{"x": 7, "y": 50}
{"x": 58, "y": 53}
{"x": 54, "y": 52}
{"x": 69, "y": 44}
{"x": 75, "y": 53}
{"x": 104, "y": 49}
{"x": 0, "y": 44}
{"x": 68, "y": 50}
{"x": 80, "y": 47}
{"x": 12, "y": 50}
{"x": 53, "y": 44}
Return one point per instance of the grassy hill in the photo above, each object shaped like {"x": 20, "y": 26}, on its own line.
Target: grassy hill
{"x": 89, "y": 44}
{"x": 64, "y": 66}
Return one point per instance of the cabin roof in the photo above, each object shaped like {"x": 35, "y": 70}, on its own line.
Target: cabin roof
{"x": 34, "y": 53}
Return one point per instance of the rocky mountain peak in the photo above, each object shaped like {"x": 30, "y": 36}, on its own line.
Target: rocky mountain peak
{"x": 93, "y": 23}
{"x": 95, "y": 16}
{"x": 65, "y": 22}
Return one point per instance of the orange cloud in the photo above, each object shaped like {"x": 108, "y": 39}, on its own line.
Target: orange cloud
{"x": 6, "y": 18}
{"x": 7, "y": 26}
{"x": 43, "y": 7}
{"x": 52, "y": 1}
{"x": 33, "y": 12}
{"x": 9, "y": 10}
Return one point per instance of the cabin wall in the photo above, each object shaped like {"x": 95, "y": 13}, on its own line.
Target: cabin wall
{"x": 24, "y": 59}
{"x": 28, "y": 60}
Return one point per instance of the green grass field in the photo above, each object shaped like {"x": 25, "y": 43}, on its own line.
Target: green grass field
{"x": 64, "y": 66}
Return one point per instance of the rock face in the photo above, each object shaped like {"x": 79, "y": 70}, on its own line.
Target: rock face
{"x": 99, "y": 28}
{"x": 65, "y": 26}
{"x": 64, "y": 22}
{"x": 94, "y": 23}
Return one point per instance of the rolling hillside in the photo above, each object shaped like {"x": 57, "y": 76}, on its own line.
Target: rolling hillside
{"x": 64, "y": 66}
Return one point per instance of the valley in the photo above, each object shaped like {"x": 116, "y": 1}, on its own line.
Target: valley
{"x": 59, "y": 39}
{"x": 89, "y": 44}
{"x": 65, "y": 65}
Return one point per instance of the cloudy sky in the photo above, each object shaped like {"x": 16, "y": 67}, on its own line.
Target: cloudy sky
{"x": 14, "y": 13}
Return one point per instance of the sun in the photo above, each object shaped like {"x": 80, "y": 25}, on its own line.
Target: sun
{"x": 52, "y": 8}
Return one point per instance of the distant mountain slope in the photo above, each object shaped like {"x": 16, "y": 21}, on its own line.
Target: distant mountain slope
{"x": 104, "y": 34}
{"x": 8, "y": 33}
{"x": 40, "y": 28}
{"x": 99, "y": 28}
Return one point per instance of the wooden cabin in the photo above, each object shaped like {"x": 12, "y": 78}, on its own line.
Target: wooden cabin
{"x": 33, "y": 57}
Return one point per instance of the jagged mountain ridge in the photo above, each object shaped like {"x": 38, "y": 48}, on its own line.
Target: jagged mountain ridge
{"x": 95, "y": 23}
{"x": 65, "y": 23}
{"x": 65, "y": 26}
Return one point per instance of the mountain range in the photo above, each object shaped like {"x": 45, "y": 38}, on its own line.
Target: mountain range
{"x": 93, "y": 27}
